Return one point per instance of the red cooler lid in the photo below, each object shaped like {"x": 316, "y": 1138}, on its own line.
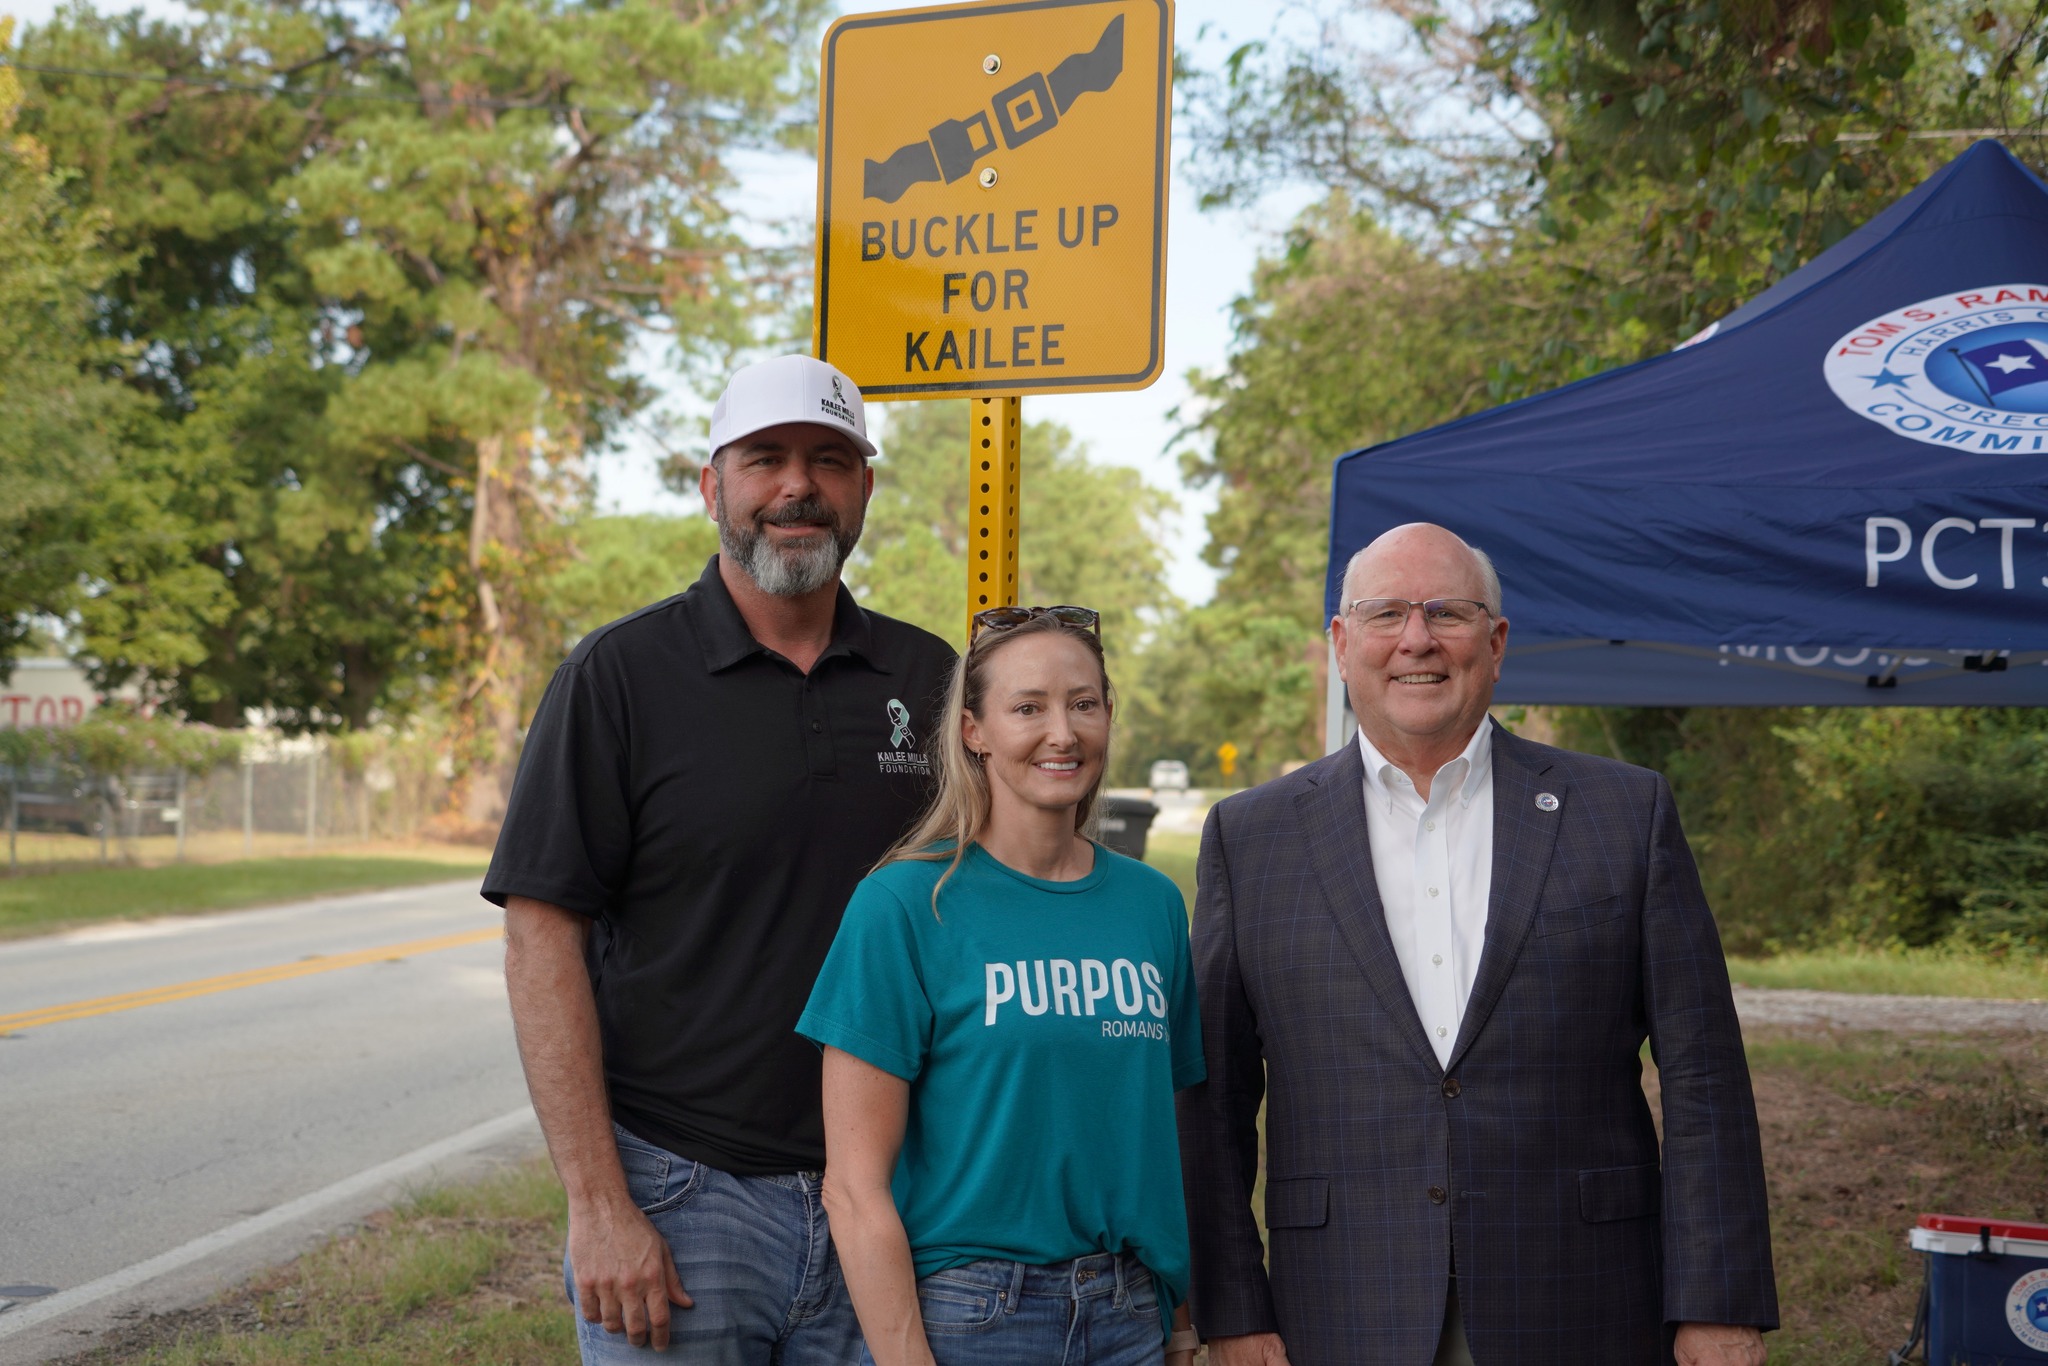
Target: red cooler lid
{"x": 2000, "y": 1228}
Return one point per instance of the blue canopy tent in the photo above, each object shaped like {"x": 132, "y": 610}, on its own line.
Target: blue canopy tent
{"x": 1834, "y": 496}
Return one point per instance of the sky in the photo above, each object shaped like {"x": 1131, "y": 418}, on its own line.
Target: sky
{"x": 1210, "y": 258}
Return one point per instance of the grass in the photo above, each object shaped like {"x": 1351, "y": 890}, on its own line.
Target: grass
{"x": 1174, "y": 855}
{"x": 1902, "y": 972}
{"x": 43, "y": 902}
{"x": 468, "y": 1273}
{"x": 1895, "y": 972}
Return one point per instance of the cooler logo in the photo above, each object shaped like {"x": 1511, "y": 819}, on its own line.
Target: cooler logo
{"x": 1966, "y": 370}
{"x": 2026, "y": 1309}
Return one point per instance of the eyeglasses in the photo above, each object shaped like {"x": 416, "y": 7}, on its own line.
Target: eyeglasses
{"x": 1003, "y": 618}
{"x": 1446, "y": 618}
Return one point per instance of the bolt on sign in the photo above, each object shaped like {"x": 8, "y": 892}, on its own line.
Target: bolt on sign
{"x": 992, "y": 197}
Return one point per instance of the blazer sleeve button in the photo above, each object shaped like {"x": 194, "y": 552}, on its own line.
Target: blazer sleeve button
{"x": 1451, "y": 1088}
{"x": 1437, "y": 1195}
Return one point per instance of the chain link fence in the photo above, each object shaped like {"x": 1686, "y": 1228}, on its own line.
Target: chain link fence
{"x": 286, "y": 796}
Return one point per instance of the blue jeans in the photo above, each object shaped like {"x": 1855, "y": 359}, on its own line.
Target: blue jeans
{"x": 1101, "y": 1310}
{"x": 755, "y": 1255}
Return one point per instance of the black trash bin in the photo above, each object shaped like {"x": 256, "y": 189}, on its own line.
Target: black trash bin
{"x": 1123, "y": 823}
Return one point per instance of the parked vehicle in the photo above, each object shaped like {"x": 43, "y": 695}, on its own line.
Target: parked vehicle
{"x": 48, "y": 798}
{"x": 1169, "y": 775}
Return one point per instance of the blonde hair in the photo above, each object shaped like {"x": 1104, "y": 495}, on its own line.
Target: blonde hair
{"x": 960, "y": 806}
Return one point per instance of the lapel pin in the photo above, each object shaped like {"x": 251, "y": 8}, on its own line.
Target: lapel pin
{"x": 1546, "y": 801}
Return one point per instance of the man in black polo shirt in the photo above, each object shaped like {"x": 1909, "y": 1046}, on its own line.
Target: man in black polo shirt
{"x": 704, "y": 783}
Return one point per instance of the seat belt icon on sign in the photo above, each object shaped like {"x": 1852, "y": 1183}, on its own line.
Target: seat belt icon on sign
{"x": 1032, "y": 106}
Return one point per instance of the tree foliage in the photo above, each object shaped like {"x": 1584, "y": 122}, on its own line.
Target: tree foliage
{"x": 620, "y": 563}
{"x": 1877, "y": 826}
{"x": 1090, "y": 536}
{"x": 1090, "y": 529}
{"x": 59, "y": 417}
{"x": 115, "y": 739}
{"x": 379, "y": 272}
{"x": 1521, "y": 196}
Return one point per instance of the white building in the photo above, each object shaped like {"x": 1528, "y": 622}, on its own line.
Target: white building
{"x": 46, "y": 692}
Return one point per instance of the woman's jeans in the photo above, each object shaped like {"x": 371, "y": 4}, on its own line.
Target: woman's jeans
{"x": 1101, "y": 1310}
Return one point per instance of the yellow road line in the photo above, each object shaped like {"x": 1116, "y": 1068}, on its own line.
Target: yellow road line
{"x": 254, "y": 977}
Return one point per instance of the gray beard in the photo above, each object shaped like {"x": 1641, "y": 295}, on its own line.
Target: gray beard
{"x": 792, "y": 571}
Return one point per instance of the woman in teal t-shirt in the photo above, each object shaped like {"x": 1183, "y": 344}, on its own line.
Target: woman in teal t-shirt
{"x": 1006, "y": 1014}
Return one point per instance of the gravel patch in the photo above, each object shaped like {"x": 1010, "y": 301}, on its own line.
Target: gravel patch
{"x": 1897, "y": 1014}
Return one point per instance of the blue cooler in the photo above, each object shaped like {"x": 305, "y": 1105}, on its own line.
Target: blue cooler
{"x": 1986, "y": 1302}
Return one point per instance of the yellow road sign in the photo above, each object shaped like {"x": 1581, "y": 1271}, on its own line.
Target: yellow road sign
{"x": 992, "y": 197}
{"x": 1226, "y": 758}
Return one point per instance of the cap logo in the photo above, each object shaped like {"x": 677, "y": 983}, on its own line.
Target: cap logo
{"x": 836, "y": 406}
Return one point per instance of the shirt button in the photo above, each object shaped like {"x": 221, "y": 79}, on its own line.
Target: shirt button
{"x": 1432, "y": 891}
{"x": 1437, "y": 1195}
{"x": 1441, "y": 1031}
{"x": 1429, "y": 825}
{"x": 1437, "y": 959}
{"x": 816, "y": 726}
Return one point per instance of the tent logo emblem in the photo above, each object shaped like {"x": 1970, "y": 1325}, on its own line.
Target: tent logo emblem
{"x": 1967, "y": 370}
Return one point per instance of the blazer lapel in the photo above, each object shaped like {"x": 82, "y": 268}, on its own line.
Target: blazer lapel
{"x": 1523, "y": 839}
{"x": 1332, "y": 816}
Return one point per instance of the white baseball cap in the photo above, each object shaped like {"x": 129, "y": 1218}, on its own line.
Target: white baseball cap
{"x": 789, "y": 389}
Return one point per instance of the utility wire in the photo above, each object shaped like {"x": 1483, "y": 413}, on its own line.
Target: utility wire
{"x": 1918, "y": 134}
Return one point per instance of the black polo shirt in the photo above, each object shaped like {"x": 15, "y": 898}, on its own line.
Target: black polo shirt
{"x": 712, "y": 807}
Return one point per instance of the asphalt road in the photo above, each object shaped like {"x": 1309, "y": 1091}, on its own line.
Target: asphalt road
{"x": 184, "y": 1100}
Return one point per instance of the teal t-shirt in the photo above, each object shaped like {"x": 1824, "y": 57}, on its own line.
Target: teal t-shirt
{"x": 1043, "y": 1028}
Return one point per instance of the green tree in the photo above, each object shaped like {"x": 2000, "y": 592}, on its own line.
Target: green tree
{"x": 1352, "y": 336}
{"x": 1729, "y": 142}
{"x": 1089, "y": 534}
{"x": 1614, "y": 174}
{"x": 1089, "y": 531}
{"x": 59, "y": 417}
{"x": 1879, "y": 826}
{"x": 619, "y": 564}
{"x": 391, "y": 260}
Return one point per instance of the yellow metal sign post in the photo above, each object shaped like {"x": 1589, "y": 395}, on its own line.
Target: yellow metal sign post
{"x": 994, "y": 483}
{"x": 992, "y": 185}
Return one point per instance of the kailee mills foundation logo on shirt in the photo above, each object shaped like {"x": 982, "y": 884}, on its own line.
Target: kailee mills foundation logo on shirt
{"x": 902, "y": 756}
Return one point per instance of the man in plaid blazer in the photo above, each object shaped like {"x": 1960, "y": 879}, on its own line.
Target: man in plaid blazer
{"x": 1436, "y": 955}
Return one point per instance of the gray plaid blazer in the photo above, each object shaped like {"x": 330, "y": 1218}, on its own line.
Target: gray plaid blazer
{"x": 1531, "y": 1162}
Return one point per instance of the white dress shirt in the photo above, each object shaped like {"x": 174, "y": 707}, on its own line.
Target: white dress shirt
{"x": 1434, "y": 865}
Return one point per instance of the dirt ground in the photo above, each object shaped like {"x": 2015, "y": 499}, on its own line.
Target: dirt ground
{"x": 1865, "y": 1131}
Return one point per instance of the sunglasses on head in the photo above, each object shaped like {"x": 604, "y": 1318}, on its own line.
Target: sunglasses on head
{"x": 1003, "y": 618}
